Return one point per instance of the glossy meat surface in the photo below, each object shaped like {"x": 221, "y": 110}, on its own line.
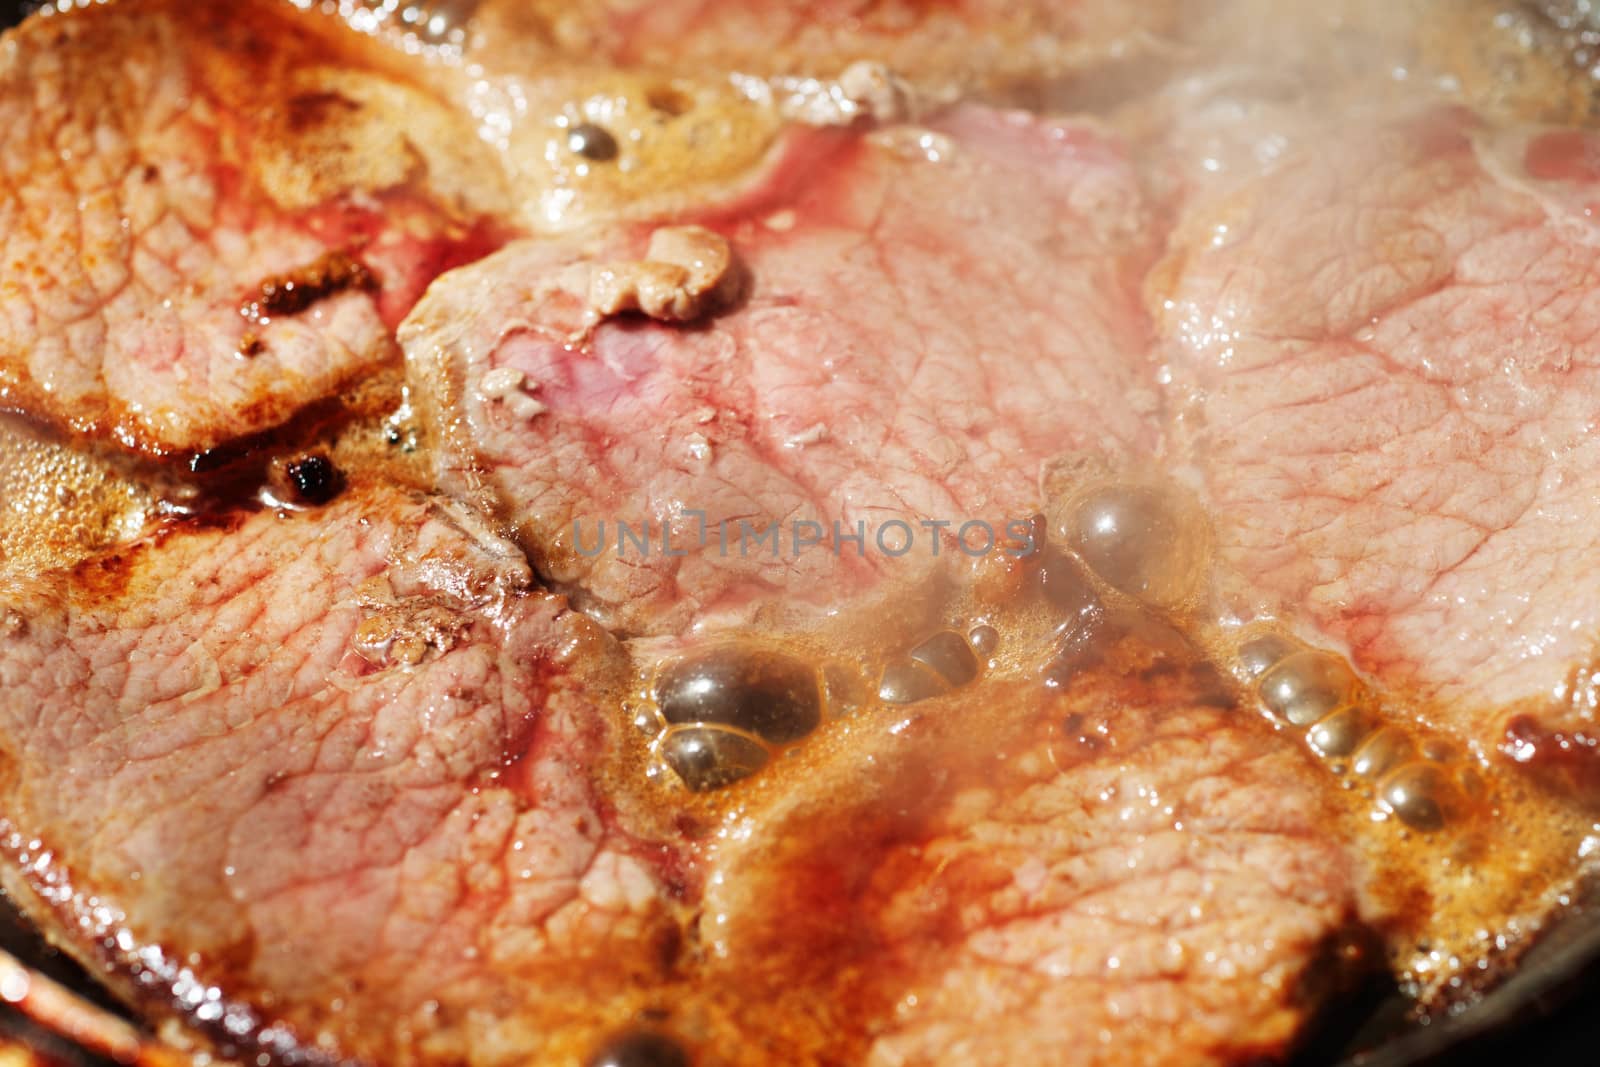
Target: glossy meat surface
{"x": 924, "y": 317}
{"x": 1398, "y": 395}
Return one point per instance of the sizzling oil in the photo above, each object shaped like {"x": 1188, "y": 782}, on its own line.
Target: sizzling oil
{"x": 62, "y": 504}
{"x": 1452, "y": 901}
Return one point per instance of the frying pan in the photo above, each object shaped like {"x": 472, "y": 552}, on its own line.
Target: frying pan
{"x": 1539, "y": 1017}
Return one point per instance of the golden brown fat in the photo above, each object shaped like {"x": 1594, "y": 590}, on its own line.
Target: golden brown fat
{"x": 60, "y": 504}
{"x": 680, "y": 142}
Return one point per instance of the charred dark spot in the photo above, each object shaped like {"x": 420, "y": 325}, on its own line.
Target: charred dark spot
{"x": 251, "y": 345}
{"x": 293, "y": 292}
{"x": 150, "y": 173}
{"x": 310, "y": 110}
{"x": 592, "y": 142}
{"x": 690, "y": 828}
{"x": 641, "y": 1048}
{"x": 310, "y": 478}
{"x": 669, "y": 946}
{"x": 106, "y": 577}
{"x": 668, "y": 100}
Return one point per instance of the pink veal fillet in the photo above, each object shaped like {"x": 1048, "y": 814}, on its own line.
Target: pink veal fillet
{"x": 931, "y": 315}
{"x": 324, "y": 779}
{"x": 1392, "y": 345}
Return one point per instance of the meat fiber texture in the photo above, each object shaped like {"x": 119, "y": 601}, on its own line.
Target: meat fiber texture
{"x": 931, "y": 315}
{"x": 357, "y": 781}
{"x": 348, "y": 762}
{"x": 1391, "y": 343}
{"x": 205, "y": 236}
